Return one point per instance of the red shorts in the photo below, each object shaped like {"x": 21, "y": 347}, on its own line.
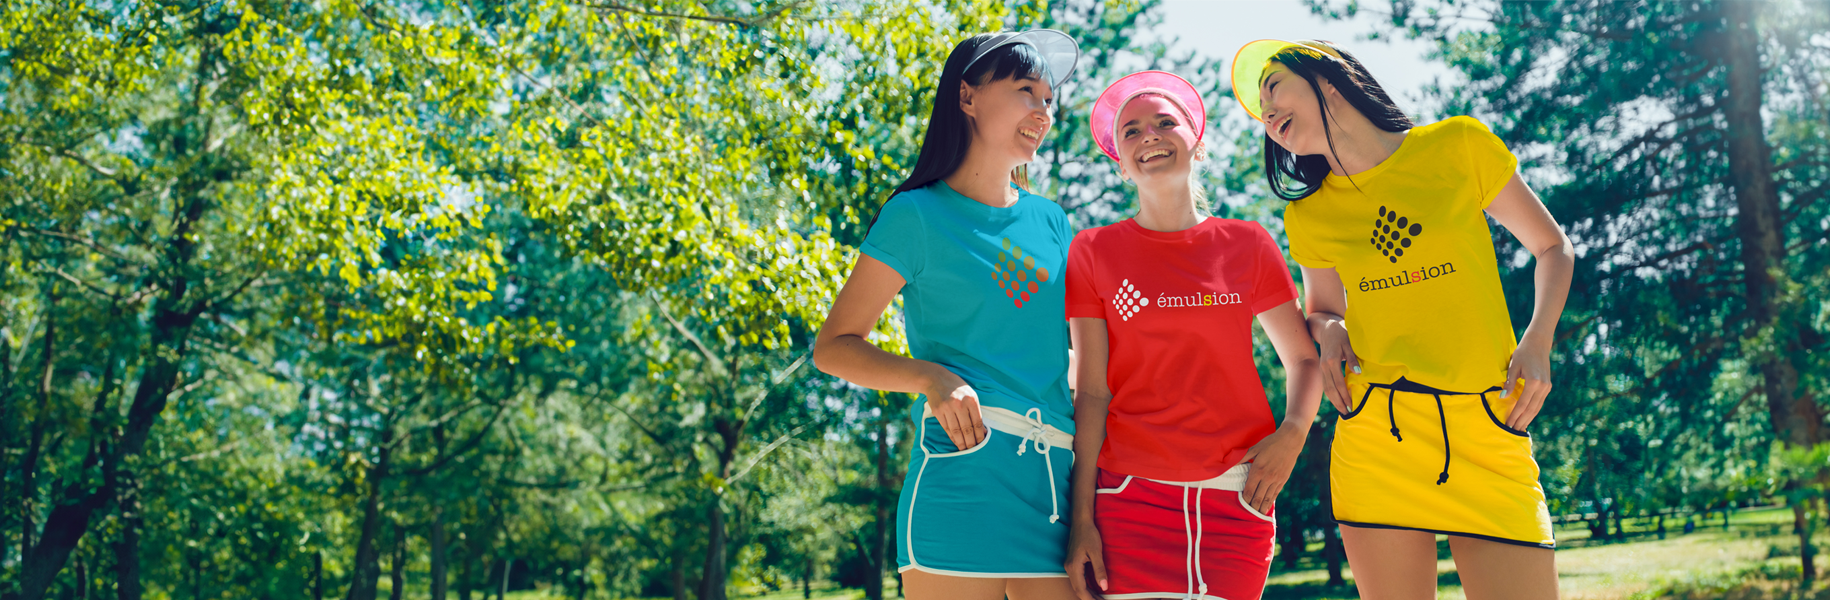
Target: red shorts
{"x": 1168, "y": 540}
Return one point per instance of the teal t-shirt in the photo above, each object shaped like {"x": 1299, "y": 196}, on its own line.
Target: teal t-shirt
{"x": 983, "y": 294}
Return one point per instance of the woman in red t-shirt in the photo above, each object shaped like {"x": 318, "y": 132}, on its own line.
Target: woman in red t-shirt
{"x": 1167, "y": 395}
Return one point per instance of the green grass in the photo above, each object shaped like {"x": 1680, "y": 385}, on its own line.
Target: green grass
{"x": 1754, "y": 558}
{"x": 1756, "y": 555}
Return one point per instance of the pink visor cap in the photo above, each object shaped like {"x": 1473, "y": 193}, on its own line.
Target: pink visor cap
{"x": 1121, "y": 92}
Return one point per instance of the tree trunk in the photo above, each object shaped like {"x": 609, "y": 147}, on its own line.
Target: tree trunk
{"x": 6, "y": 429}
{"x": 873, "y": 585}
{"x": 173, "y": 313}
{"x": 365, "y": 577}
{"x": 678, "y": 574}
{"x": 82, "y": 579}
{"x": 28, "y": 470}
{"x": 1332, "y": 549}
{"x": 80, "y": 499}
{"x": 317, "y": 575}
{"x": 397, "y": 565}
{"x": 1801, "y": 521}
{"x": 807, "y": 578}
{"x": 1759, "y": 226}
{"x": 127, "y": 549}
{"x": 1290, "y": 547}
{"x": 711, "y": 583}
{"x": 437, "y": 535}
{"x": 582, "y": 576}
{"x": 1798, "y": 421}
{"x": 508, "y": 567}
{"x": 467, "y": 573}
{"x": 196, "y": 560}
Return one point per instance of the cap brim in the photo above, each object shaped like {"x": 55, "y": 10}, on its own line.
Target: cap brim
{"x": 1250, "y": 62}
{"x": 1248, "y": 67}
{"x": 1105, "y": 109}
{"x": 1058, "y": 49}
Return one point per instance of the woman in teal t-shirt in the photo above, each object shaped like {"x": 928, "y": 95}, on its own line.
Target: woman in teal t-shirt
{"x": 979, "y": 263}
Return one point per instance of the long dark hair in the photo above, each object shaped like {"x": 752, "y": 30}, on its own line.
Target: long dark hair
{"x": 1296, "y": 177}
{"x": 949, "y": 133}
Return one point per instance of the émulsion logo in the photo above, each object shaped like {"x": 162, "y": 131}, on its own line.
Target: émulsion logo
{"x": 1017, "y": 273}
{"x": 1392, "y": 234}
{"x": 1128, "y": 300}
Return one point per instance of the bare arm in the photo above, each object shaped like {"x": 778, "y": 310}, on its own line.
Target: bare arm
{"x": 1519, "y": 210}
{"x": 841, "y": 350}
{"x": 1325, "y": 300}
{"x": 1274, "y": 457}
{"x": 1091, "y": 400}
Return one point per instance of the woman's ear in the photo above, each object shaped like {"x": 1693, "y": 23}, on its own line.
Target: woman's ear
{"x": 965, "y": 100}
{"x": 1200, "y": 151}
{"x": 1328, "y": 89}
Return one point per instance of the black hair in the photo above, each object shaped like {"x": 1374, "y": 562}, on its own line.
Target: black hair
{"x": 949, "y": 134}
{"x": 1361, "y": 91}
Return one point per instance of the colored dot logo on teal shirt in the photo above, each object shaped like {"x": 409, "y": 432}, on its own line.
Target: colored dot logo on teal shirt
{"x": 1017, "y": 273}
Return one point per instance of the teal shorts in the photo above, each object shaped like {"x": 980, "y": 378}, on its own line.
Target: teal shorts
{"x": 999, "y": 509}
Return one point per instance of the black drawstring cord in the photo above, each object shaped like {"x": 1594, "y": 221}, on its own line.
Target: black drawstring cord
{"x": 1445, "y": 440}
{"x": 1393, "y": 417}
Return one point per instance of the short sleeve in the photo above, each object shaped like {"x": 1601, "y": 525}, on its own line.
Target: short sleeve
{"x": 1300, "y": 247}
{"x": 1272, "y": 285}
{"x": 899, "y": 237}
{"x": 1082, "y": 300}
{"x": 1492, "y": 162}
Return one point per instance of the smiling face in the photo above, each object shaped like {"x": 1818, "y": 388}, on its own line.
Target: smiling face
{"x": 1009, "y": 116}
{"x": 1154, "y": 140}
{"x": 1292, "y": 112}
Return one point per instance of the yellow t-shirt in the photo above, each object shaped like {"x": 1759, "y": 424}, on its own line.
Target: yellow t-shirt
{"x": 1412, "y": 248}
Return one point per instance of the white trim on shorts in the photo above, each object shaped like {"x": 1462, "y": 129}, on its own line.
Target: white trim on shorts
{"x": 934, "y": 571}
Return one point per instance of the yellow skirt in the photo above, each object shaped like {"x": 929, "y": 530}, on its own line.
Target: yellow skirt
{"x": 1414, "y": 457}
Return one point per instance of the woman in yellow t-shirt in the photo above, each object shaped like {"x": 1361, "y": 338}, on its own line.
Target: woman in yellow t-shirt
{"x": 1390, "y": 219}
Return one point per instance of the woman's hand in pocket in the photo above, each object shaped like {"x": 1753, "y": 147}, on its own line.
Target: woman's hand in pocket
{"x": 955, "y": 405}
{"x": 1337, "y": 359}
{"x": 1272, "y": 459}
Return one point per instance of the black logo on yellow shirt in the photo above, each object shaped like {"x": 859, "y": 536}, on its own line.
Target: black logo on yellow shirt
{"x": 1393, "y": 234}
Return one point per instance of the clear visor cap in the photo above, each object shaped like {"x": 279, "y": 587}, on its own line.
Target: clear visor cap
{"x": 1059, "y": 51}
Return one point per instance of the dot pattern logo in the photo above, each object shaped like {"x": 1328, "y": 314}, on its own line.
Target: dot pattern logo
{"x": 1392, "y": 234}
{"x": 1128, "y": 300}
{"x": 1017, "y": 273}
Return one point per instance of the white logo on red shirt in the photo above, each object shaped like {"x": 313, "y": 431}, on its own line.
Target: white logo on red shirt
{"x": 1129, "y": 300}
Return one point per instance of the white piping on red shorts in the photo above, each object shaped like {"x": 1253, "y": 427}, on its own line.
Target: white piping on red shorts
{"x": 1233, "y": 480}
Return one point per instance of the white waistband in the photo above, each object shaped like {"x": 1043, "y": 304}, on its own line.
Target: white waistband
{"x": 1233, "y": 480}
{"x": 1008, "y": 421}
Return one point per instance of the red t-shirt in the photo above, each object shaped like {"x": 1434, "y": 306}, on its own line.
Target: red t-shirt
{"x": 1186, "y": 399}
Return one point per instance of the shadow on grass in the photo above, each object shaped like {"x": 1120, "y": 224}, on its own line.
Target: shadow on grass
{"x": 1311, "y": 591}
{"x": 1323, "y": 591}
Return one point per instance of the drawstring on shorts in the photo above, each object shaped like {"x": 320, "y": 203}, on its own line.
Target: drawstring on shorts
{"x": 1037, "y": 437}
{"x": 1411, "y": 387}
